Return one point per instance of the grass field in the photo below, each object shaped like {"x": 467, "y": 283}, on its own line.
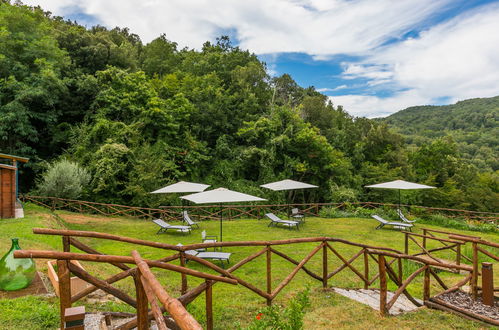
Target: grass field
{"x": 232, "y": 304}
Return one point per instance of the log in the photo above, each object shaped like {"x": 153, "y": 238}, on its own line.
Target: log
{"x": 347, "y": 263}
{"x": 426, "y": 284}
{"x": 288, "y": 258}
{"x": 173, "y": 306}
{"x": 324, "y": 266}
{"x": 439, "y": 280}
{"x": 382, "y": 286}
{"x": 423, "y": 261}
{"x": 155, "y": 308}
{"x": 403, "y": 286}
{"x": 297, "y": 268}
{"x": 209, "y": 306}
{"x": 109, "y": 280}
{"x": 142, "y": 305}
{"x": 366, "y": 269}
{"x": 111, "y": 258}
{"x": 85, "y": 248}
{"x": 103, "y": 285}
{"x": 269, "y": 275}
{"x": 64, "y": 288}
{"x": 81, "y": 233}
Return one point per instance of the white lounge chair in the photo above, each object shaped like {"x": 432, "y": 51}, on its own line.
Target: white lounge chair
{"x": 222, "y": 256}
{"x": 395, "y": 224}
{"x": 165, "y": 226}
{"x": 297, "y": 215}
{"x": 275, "y": 220}
{"x": 187, "y": 219}
{"x": 403, "y": 218}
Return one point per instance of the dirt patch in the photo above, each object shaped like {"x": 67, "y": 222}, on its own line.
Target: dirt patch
{"x": 81, "y": 219}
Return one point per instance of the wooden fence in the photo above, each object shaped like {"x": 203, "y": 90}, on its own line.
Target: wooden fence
{"x": 208, "y": 212}
{"x": 388, "y": 265}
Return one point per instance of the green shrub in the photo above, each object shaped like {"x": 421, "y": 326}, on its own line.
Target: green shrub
{"x": 64, "y": 179}
{"x": 276, "y": 317}
{"x": 458, "y": 223}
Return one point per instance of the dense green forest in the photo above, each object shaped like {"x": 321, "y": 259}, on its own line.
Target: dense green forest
{"x": 472, "y": 124}
{"x": 139, "y": 116}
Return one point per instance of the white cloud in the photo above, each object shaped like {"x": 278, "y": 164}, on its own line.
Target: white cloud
{"x": 322, "y": 90}
{"x": 317, "y": 27}
{"x": 374, "y": 106}
{"x": 454, "y": 60}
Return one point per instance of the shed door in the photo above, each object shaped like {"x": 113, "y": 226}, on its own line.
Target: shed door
{"x": 7, "y": 193}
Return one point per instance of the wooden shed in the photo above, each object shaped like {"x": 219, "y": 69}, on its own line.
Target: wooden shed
{"x": 8, "y": 185}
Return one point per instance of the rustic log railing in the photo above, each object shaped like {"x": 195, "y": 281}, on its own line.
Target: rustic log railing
{"x": 478, "y": 246}
{"x": 421, "y": 241}
{"x": 147, "y": 290}
{"x": 207, "y": 212}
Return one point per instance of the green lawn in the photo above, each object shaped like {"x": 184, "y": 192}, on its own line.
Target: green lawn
{"x": 236, "y": 303}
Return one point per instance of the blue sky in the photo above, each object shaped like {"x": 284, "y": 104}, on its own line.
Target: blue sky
{"x": 374, "y": 57}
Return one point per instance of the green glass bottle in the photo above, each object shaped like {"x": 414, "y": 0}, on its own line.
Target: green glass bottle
{"x": 15, "y": 274}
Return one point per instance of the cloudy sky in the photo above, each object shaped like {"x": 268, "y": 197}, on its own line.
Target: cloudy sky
{"x": 374, "y": 57}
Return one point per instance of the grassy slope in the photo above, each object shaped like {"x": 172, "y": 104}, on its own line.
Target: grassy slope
{"x": 327, "y": 310}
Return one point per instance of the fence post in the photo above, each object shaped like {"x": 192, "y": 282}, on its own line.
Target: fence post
{"x": 382, "y": 285}
{"x": 366, "y": 269}
{"x": 142, "y": 304}
{"x": 269, "y": 274}
{"x": 64, "y": 288}
{"x": 474, "y": 278}
{"x": 209, "y": 305}
{"x": 458, "y": 254}
{"x": 406, "y": 243}
{"x": 183, "y": 277}
{"x": 487, "y": 283}
{"x": 426, "y": 285}
{"x": 66, "y": 245}
{"x": 424, "y": 238}
{"x": 399, "y": 264}
{"x": 324, "y": 264}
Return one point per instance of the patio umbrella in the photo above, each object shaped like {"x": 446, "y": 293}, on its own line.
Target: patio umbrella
{"x": 287, "y": 185}
{"x": 400, "y": 185}
{"x": 219, "y": 196}
{"x": 181, "y": 187}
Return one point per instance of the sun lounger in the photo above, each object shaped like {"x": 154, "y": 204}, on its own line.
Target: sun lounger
{"x": 403, "y": 218}
{"x": 275, "y": 220}
{"x": 395, "y": 224}
{"x": 222, "y": 256}
{"x": 297, "y": 215}
{"x": 188, "y": 219}
{"x": 165, "y": 226}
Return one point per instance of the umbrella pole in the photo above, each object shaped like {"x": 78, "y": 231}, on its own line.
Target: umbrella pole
{"x": 221, "y": 214}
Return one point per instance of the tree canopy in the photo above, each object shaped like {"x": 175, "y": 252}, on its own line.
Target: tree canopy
{"x": 139, "y": 116}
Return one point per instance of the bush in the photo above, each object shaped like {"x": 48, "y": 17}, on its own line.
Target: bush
{"x": 289, "y": 318}
{"x": 64, "y": 179}
{"x": 459, "y": 223}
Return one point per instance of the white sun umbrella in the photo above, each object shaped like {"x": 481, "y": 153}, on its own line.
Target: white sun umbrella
{"x": 400, "y": 185}
{"x": 287, "y": 185}
{"x": 182, "y": 187}
{"x": 219, "y": 196}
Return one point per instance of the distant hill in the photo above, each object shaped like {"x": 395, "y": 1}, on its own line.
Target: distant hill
{"x": 473, "y": 124}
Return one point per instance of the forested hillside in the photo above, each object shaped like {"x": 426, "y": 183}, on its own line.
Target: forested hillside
{"x": 139, "y": 116}
{"x": 472, "y": 124}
